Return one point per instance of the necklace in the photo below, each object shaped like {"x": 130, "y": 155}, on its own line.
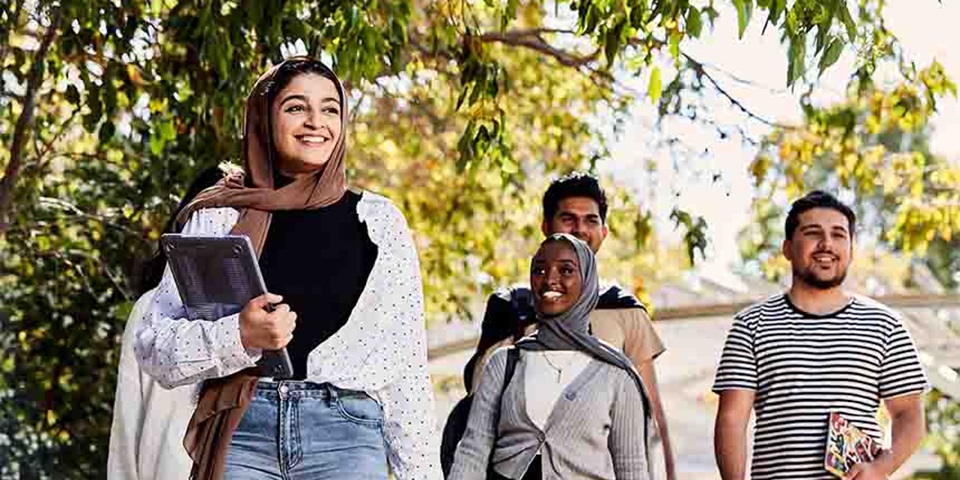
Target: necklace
{"x": 559, "y": 370}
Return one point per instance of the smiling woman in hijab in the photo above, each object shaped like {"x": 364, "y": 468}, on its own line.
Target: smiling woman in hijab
{"x": 571, "y": 406}
{"x": 345, "y": 282}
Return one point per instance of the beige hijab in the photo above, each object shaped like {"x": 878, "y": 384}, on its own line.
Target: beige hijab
{"x": 253, "y": 191}
{"x": 223, "y": 401}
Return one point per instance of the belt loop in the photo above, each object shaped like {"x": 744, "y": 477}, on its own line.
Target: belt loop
{"x": 332, "y": 393}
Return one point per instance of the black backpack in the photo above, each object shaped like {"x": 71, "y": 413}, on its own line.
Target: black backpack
{"x": 457, "y": 420}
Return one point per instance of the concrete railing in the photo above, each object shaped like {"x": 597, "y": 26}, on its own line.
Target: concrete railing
{"x": 896, "y": 301}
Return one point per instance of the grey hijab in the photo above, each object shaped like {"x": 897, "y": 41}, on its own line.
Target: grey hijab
{"x": 571, "y": 329}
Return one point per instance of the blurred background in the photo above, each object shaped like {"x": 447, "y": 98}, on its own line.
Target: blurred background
{"x": 703, "y": 118}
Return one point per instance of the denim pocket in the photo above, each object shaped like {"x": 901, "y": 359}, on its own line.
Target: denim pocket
{"x": 360, "y": 409}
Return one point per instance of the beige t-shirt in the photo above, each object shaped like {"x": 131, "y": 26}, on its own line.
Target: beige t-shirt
{"x": 628, "y": 328}
{"x": 631, "y": 330}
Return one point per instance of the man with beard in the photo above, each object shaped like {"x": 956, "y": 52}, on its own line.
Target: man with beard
{"x": 801, "y": 355}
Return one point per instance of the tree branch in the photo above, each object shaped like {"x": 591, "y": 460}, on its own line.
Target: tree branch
{"x": 701, "y": 70}
{"x": 539, "y": 31}
{"x": 526, "y": 38}
{"x": 12, "y": 173}
{"x": 531, "y": 39}
{"x": 79, "y": 215}
{"x": 48, "y": 146}
{"x": 743, "y": 81}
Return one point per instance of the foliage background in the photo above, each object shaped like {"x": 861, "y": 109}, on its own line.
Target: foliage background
{"x": 462, "y": 111}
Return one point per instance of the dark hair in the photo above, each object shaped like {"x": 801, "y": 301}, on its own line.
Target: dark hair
{"x": 153, "y": 269}
{"x": 818, "y": 199}
{"x": 576, "y": 184}
{"x": 295, "y": 67}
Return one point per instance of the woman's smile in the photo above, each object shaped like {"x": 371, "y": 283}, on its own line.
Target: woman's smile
{"x": 555, "y": 277}
{"x": 312, "y": 140}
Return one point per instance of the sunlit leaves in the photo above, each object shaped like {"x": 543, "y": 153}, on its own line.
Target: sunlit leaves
{"x": 694, "y": 232}
{"x": 477, "y": 225}
{"x": 873, "y": 146}
{"x": 655, "y": 87}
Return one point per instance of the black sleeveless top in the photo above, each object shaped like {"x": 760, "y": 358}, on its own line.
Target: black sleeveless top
{"x": 319, "y": 260}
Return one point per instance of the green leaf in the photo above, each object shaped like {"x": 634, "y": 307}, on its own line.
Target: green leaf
{"x": 7, "y": 365}
{"x": 612, "y": 44}
{"x": 72, "y": 94}
{"x": 636, "y": 17}
{"x": 821, "y": 40}
{"x": 483, "y": 135}
{"x": 493, "y": 88}
{"x": 795, "y": 59}
{"x": 675, "y": 45}
{"x": 592, "y": 18}
{"x": 744, "y": 11}
{"x": 511, "y": 10}
{"x": 832, "y": 54}
{"x": 848, "y": 21}
{"x": 167, "y": 130}
{"x": 694, "y": 22}
{"x": 712, "y": 14}
{"x": 655, "y": 87}
{"x": 508, "y": 166}
{"x": 475, "y": 94}
{"x": 463, "y": 96}
{"x": 793, "y": 23}
{"x": 107, "y": 130}
{"x": 773, "y": 17}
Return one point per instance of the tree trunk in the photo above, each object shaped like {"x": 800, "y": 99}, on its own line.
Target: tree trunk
{"x": 22, "y": 130}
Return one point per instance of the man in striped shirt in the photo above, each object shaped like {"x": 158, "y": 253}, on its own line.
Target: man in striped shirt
{"x": 815, "y": 349}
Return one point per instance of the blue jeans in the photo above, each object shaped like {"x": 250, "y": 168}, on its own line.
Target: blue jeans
{"x": 300, "y": 430}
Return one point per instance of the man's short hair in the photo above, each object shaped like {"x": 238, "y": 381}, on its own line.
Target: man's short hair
{"x": 818, "y": 199}
{"x": 576, "y": 184}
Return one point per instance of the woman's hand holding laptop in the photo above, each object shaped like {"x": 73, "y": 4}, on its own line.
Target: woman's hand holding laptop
{"x": 266, "y": 323}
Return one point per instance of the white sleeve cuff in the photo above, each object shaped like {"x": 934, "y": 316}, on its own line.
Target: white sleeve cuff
{"x": 234, "y": 355}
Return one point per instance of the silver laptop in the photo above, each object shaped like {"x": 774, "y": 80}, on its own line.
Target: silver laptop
{"x": 216, "y": 277}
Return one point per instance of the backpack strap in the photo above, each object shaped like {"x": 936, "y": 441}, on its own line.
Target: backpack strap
{"x": 513, "y": 355}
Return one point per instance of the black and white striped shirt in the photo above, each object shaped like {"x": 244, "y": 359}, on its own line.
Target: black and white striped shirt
{"x": 803, "y": 366}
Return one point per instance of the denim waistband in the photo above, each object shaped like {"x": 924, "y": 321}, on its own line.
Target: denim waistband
{"x": 301, "y": 388}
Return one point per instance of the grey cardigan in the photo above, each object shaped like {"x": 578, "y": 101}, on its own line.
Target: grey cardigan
{"x": 595, "y": 431}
